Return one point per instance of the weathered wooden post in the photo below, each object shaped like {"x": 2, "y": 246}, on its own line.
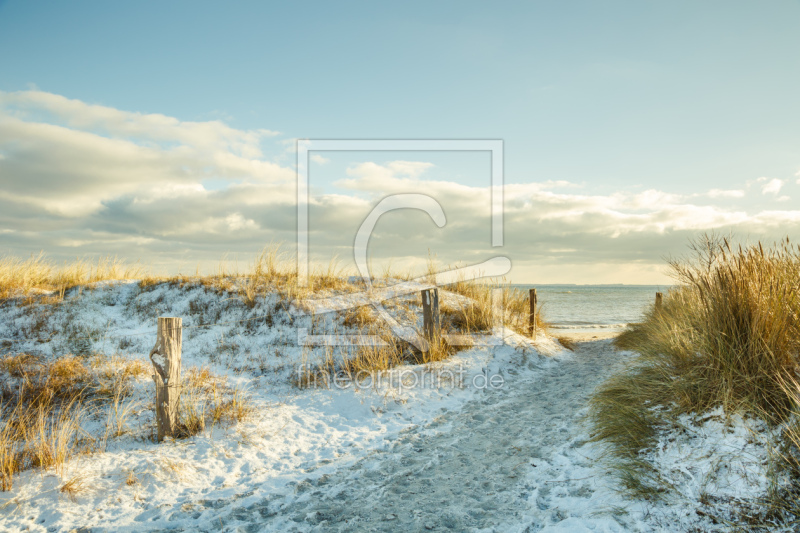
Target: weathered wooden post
{"x": 430, "y": 313}
{"x": 658, "y": 300}
{"x": 166, "y": 359}
{"x": 532, "y": 312}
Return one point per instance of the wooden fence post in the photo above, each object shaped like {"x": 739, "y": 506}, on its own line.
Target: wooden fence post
{"x": 532, "y": 312}
{"x": 166, "y": 359}
{"x": 430, "y": 313}
{"x": 658, "y": 300}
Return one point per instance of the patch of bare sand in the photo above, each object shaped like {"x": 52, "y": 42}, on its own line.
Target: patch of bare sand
{"x": 582, "y": 336}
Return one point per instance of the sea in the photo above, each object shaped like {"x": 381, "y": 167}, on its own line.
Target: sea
{"x": 593, "y": 307}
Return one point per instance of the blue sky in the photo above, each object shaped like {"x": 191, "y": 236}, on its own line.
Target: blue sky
{"x": 595, "y": 99}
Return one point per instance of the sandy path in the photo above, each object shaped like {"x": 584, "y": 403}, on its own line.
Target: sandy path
{"x": 507, "y": 461}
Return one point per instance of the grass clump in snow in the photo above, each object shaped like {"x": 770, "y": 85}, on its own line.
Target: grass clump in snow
{"x": 207, "y": 401}
{"x": 478, "y": 314}
{"x": 474, "y": 314}
{"x": 44, "y": 402}
{"x": 785, "y": 497}
{"x": 354, "y": 363}
{"x": 727, "y": 336}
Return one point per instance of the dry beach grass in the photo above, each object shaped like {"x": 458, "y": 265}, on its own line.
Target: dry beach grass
{"x": 23, "y": 276}
{"x": 727, "y": 336}
{"x": 46, "y": 400}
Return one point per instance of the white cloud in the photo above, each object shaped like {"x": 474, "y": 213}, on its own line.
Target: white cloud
{"x": 372, "y": 172}
{"x": 318, "y": 159}
{"x": 531, "y": 204}
{"x": 82, "y": 178}
{"x": 152, "y": 127}
{"x": 770, "y": 186}
{"x": 88, "y": 155}
{"x": 721, "y": 193}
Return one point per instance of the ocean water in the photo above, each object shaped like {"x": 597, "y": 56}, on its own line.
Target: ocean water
{"x": 594, "y": 307}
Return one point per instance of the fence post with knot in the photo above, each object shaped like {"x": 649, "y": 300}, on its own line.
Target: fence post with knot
{"x": 166, "y": 359}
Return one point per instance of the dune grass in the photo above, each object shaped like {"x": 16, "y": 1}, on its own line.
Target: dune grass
{"x": 272, "y": 271}
{"x": 272, "y": 268}
{"x": 22, "y": 276}
{"x": 207, "y": 401}
{"x": 727, "y": 335}
{"x": 479, "y": 315}
{"x": 44, "y": 404}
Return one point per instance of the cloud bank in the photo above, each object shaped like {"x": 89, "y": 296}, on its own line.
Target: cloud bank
{"x": 79, "y": 179}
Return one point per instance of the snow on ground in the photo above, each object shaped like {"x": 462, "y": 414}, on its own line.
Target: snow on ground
{"x": 462, "y": 455}
{"x": 294, "y": 430}
{"x": 718, "y": 467}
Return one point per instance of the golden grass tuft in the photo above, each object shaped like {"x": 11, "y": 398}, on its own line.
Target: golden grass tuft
{"x": 207, "y": 401}
{"x": 469, "y": 317}
{"x": 16, "y": 364}
{"x": 74, "y": 486}
{"x": 438, "y": 350}
{"x": 43, "y": 406}
{"x": 477, "y": 316}
{"x": 131, "y": 478}
{"x": 36, "y": 436}
{"x": 360, "y": 317}
{"x": 369, "y": 358}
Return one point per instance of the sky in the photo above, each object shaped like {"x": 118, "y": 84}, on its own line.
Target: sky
{"x": 166, "y": 133}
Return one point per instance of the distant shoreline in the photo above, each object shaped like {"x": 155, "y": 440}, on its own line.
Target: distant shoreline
{"x": 588, "y": 285}
{"x": 583, "y": 336}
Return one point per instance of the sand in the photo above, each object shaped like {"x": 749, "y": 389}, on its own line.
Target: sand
{"x": 583, "y": 336}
